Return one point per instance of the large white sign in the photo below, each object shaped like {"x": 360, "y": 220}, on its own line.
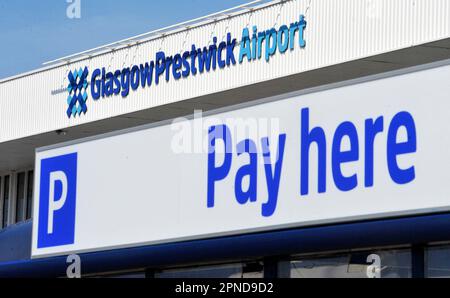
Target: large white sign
{"x": 369, "y": 150}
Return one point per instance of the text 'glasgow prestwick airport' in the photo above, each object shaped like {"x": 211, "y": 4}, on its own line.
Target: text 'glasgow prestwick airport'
{"x": 197, "y": 60}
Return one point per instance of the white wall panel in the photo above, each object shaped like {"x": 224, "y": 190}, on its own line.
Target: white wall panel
{"x": 337, "y": 31}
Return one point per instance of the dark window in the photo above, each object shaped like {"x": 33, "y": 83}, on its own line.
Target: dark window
{"x": 382, "y": 263}
{"x": 5, "y": 201}
{"x": 29, "y": 194}
{"x": 20, "y": 202}
{"x": 438, "y": 262}
{"x": 238, "y": 270}
{"x": 124, "y": 275}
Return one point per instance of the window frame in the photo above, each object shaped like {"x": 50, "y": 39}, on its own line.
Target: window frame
{"x": 24, "y": 196}
{"x": 29, "y": 173}
{"x": 12, "y": 215}
{"x": 6, "y": 223}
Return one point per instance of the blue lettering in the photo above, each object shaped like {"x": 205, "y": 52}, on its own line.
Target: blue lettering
{"x": 316, "y": 135}
{"x": 302, "y": 27}
{"x": 402, "y": 119}
{"x": 168, "y": 63}
{"x": 271, "y": 47}
{"x": 217, "y": 173}
{"x": 230, "y": 50}
{"x": 340, "y": 154}
{"x": 147, "y": 74}
{"x": 135, "y": 73}
{"x": 109, "y": 79}
{"x": 193, "y": 56}
{"x": 245, "y": 49}
{"x": 177, "y": 63}
{"x": 204, "y": 57}
{"x": 95, "y": 84}
{"x": 125, "y": 78}
{"x": 186, "y": 67}
{"x": 221, "y": 54}
{"x": 249, "y": 147}
{"x": 272, "y": 179}
{"x": 372, "y": 128}
{"x": 160, "y": 66}
{"x": 116, "y": 89}
{"x": 283, "y": 39}
{"x": 220, "y": 60}
{"x": 339, "y": 157}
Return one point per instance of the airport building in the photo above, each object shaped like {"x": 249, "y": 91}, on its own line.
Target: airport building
{"x": 295, "y": 138}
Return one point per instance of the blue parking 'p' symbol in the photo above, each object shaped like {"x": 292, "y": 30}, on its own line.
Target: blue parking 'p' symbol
{"x": 57, "y": 200}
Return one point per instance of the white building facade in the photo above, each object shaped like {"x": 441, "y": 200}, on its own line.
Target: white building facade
{"x": 332, "y": 115}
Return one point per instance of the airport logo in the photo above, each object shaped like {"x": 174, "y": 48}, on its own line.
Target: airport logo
{"x": 57, "y": 201}
{"x": 77, "y": 97}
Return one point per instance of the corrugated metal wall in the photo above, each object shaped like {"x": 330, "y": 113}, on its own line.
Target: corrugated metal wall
{"x": 337, "y": 31}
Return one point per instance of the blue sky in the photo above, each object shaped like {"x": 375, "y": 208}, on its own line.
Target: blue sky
{"x": 33, "y": 32}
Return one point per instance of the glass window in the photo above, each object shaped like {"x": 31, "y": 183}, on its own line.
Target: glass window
{"x": 29, "y": 195}
{"x": 140, "y": 274}
{"x": 20, "y": 201}
{"x": 129, "y": 275}
{"x": 5, "y": 201}
{"x": 438, "y": 261}
{"x": 384, "y": 264}
{"x": 238, "y": 270}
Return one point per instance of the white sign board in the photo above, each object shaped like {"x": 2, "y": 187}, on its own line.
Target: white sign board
{"x": 368, "y": 150}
